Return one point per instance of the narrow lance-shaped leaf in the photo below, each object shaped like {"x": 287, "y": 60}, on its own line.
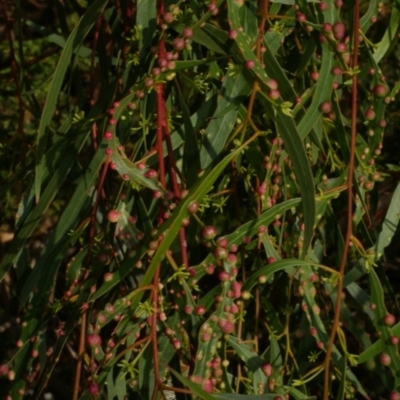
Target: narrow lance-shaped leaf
{"x": 244, "y": 42}
{"x": 232, "y": 94}
{"x": 73, "y": 42}
{"x": 390, "y": 37}
{"x": 175, "y": 222}
{"x": 171, "y": 229}
{"x": 390, "y": 224}
{"x": 377, "y": 298}
{"x": 252, "y": 360}
{"x": 34, "y": 217}
{"x": 296, "y": 150}
{"x": 322, "y": 93}
{"x": 146, "y": 16}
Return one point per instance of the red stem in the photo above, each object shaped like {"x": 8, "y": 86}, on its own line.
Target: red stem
{"x": 81, "y": 353}
{"x": 159, "y": 88}
{"x": 92, "y": 83}
{"x": 349, "y": 230}
{"x": 92, "y": 233}
{"x": 153, "y": 334}
{"x": 159, "y": 139}
{"x": 183, "y": 245}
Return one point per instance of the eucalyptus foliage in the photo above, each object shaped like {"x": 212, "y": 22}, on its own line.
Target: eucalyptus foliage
{"x": 213, "y": 179}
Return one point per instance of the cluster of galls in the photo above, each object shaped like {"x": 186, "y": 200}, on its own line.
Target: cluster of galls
{"x": 380, "y": 90}
{"x": 94, "y": 341}
{"x": 167, "y": 62}
{"x": 271, "y": 383}
{"x": 7, "y": 372}
{"x": 224, "y": 320}
{"x": 31, "y": 377}
{"x": 173, "y": 337}
{"x": 109, "y": 135}
{"x": 301, "y": 17}
{"x": 384, "y": 358}
{"x": 213, "y": 375}
{"x": 222, "y": 250}
{"x": 273, "y": 92}
{"x": 271, "y": 164}
{"x": 336, "y": 35}
{"x": 336, "y": 32}
{"x": 222, "y": 253}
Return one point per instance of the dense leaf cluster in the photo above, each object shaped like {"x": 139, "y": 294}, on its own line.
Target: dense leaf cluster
{"x": 203, "y": 200}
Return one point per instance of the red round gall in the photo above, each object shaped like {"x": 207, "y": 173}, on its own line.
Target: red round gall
{"x": 385, "y": 359}
{"x": 325, "y": 107}
{"x": 113, "y": 216}
{"x": 380, "y": 90}
{"x": 339, "y": 30}
{"x": 274, "y": 94}
{"x": 209, "y": 232}
{"x": 93, "y": 340}
{"x": 93, "y": 389}
{"x": 250, "y": 64}
{"x": 389, "y": 319}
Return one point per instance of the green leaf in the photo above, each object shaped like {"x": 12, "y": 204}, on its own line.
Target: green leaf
{"x": 207, "y": 349}
{"x": 377, "y": 298}
{"x": 146, "y": 16}
{"x": 174, "y": 223}
{"x": 289, "y": 2}
{"x": 390, "y": 37}
{"x": 365, "y": 21}
{"x": 191, "y": 149}
{"x": 342, "y": 387}
{"x": 244, "y": 42}
{"x": 197, "y": 120}
{"x": 279, "y": 265}
{"x": 146, "y": 367}
{"x": 274, "y": 38}
{"x": 171, "y": 229}
{"x": 248, "y": 18}
{"x": 252, "y": 360}
{"x": 115, "y": 388}
{"x": 35, "y": 215}
{"x": 322, "y": 93}
{"x": 73, "y": 42}
{"x": 390, "y": 224}
{"x": 295, "y": 148}
{"x": 193, "y": 387}
{"x": 299, "y": 395}
{"x": 235, "y": 396}
{"x": 378, "y": 346}
{"x": 82, "y": 51}
{"x": 212, "y": 38}
{"x": 233, "y": 92}
{"x": 57, "y": 240}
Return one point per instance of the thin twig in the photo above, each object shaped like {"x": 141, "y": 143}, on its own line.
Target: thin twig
{"x": 349, "y": 230}
{"x": 93, "y": 78}
{"x": 81, "y": 353}
{"x": 82, "y": 337}
{"x": 159, "y": 139}
{"x": 153, "y": 334}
